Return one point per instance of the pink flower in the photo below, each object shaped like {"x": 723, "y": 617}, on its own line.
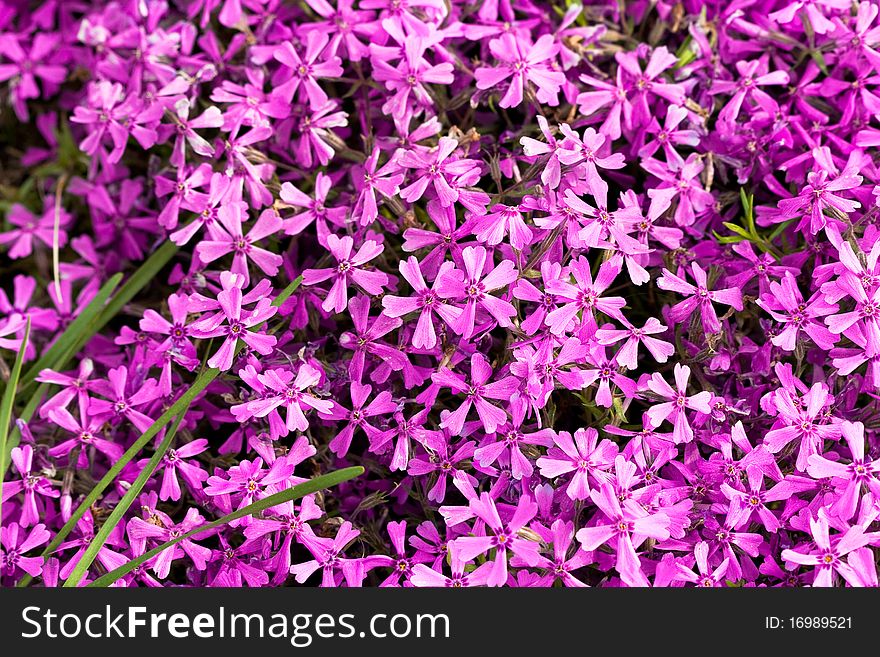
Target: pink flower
{"x": 812, "y": 11}
{"x": 408, "y": 76}
{"x": 705, "y": 576}
{"x": 523, "y": 62}
{"x": 581, "y": 454}
{"x": 111, "y": 112}
{"x": 678, "y": 182}
{"x": 804, "y": 418}
{"x": 36, "y": 488}
{"x": 400, "y": 434}
{"x": 699, "y": 297}
{"x": 315, "y": 208}
{"x": 122, "y": 402}
{"x": 476, "y": 393}
{"x": 349, "y": 268}
{"x": 426, "y": 302}
{"x": 359, "y": 417}
{"x": 231, "y": 239}
{"x": 385, "y": 179}
{"x": 433, "y": 167}
{"x": 140, "y": 530}
{"x": 860, "y": 474}
{"x": 283, "y": 390}
{"x": 315, "y": 134}
{"x": 627, "y": 355}
{"x": 491, "y": 228}
{"x": 26, "y": 67}
{"x": 822, "y": 192}
{"x": 551, "y": 175}
{"x": 474, "y": 287}
{"x": 235, "y": 323}
{"x": 585, "y": 152}
{"x": 508, "y": 440}
{"x": 303, "y": 72}
{"x": 366, "y": 339}
{"x": 746, "y": 86}
{"x": 678, "y": 401}
{"x": 670, "y": 135}
{"x": 173, "y": 462}
{"x": 627, "y": 525}
{"x": 15, "y": 542}
{"x": 827, "y": 555}
{"x": 786, "y": 305}
{"x": 31, "y": 227}
{"x": 186, "y": 131}
{"x": 504, "y": 536}
{"x": 544, "y": 302}
{"x": 86, "y": 434}
{"x": 584, "y": 296}
{"x": 648, "y": 82}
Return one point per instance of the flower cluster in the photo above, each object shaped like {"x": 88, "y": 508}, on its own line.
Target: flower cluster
{"x": 591, "y": 292}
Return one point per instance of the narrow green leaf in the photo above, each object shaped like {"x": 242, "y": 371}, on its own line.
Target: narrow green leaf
{"x": 306, "y": 488}
{"x": 727, "y": 239}
{"x": 122, "y": 506}
{"x": 73, "y": 334}
{"x": 748, "y": 203}
{"x": 744, "y": 199}
{"x": 685, "y": 53}
{"x": 820, "y": 61}
{"x": 55, "y": 358}
{"x": 684, "y": 46}
{"x": 91, "y": 320}
{"x": 284, "y": 295}
{"x": 8, "y": 401}
{"x": 739, "y": 230}
{"x": 778, "y": 230}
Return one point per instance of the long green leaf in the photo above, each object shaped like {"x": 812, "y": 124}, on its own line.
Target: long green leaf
{"x": 748, "y": 203}
{"x": 301, "y": 490}
{"x": 284, "y": 295}
{"x": 739, "y": 230}
{"x": 7, "y": 402}
{"x": 778, "y": 230}
{"x": 72, "y": 334}
{"x": 122, "y": 506}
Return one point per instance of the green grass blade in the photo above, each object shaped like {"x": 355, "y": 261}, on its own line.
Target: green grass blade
{"x": 748, "y": 203}
{"x": 739, "y": 230}
{"x": 306, "y": 488}
{"x": 778, "y": 231}
{"x": 124, "y": 504}
{"x": 72, "y": 334}
{"x": 8, "y": 401}
{"x": 284, "y": 295}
